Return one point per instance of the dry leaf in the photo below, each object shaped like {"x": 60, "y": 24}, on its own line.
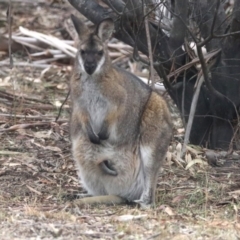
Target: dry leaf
{"x": 169, "y": 158}
{"x": 125, "y": 218}
{"x": 167, "y": 209}
{"x": 193, "y": 162}
{"x": 219, "y": 223}
{"x": 10, "y": 153}
{"x": 178, "y": 199}
{"x": 42, "y": 134}
{"x": 54, "y": 149}
{"x": 62, "y": 86}
{"x": 179, "y": 149}
{"x": 188, "y": 158}
{"x": 237, "y": 192}
{"x": 194, "y": 151}
{"x": 181, "y": 237}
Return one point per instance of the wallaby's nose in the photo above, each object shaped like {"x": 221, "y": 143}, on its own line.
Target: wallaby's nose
{"x": 90, "y": 67}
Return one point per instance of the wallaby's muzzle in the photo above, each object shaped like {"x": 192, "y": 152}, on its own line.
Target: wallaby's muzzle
{"x": 90, "y": 67}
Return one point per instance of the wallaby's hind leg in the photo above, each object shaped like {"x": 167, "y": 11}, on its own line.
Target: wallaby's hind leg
{"x": 151, "y": 164}
{"x": 155, "y": 135}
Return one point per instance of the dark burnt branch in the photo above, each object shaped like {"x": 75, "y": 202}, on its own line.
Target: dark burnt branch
{"x": 215, "y": 17}
{"x": 180, "y": 22}
{"x": 96, "y": 13}
{"x": 90, "y": 9}
{"x": 227, "y": 34}
{"x": 150, "y": 53}
{"x": 212, "y": 32}
{"x": 231, "y": 43}
{"x": 161, "y": 72}
{"x": 125, "y": 26}
{"x": 205, "y": 69}
{"x": 204, "y": 12}
{"x": 235, "y": 25}
{"x": 116, "y": 5}
{"x": 215, "y": 94}
{"x": 178, "y": 31}
{"x": 159, "y": 69}
{"x": 135, "y": 7}
{"x": 131, "y": 32}
{"x": 206, "y": 74}
{"x": 211, "y": 35}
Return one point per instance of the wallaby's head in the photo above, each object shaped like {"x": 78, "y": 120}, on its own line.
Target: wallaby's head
{"x": 92, "y": 51}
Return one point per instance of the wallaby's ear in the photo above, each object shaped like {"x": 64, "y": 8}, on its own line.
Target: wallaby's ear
{"x": 105, "y": 29}
{"x": 80, "y": 27}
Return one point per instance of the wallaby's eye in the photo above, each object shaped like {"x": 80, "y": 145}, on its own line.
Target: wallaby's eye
{"x": 100, "y": 53}
{"x": 82, "y": 52}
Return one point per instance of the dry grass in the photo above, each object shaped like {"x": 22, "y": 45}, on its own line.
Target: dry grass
{"x": 38, "y": 177}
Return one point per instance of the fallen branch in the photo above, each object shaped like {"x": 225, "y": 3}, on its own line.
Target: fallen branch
{"x": 50, "y": 118}
{"x": 28, "y": 125}
{"x": 9, "y": 18}
{"x": 50, "y": 40}
{"x": 26, "y": 64}
{"x": 11, "y": 96}
{"x": 200, "y": 81}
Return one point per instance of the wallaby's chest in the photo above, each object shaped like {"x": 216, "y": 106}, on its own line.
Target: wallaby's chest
{"x": 95, "y": 103}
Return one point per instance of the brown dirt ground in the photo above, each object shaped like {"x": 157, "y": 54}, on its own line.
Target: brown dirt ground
{"x": 38, "y": 177}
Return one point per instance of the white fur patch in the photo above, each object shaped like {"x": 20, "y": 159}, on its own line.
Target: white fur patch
{"x": 80, "y": 61}
{"x": 146, "y": 154}
{"x": 113, "y": 132}
{"x": 99, "y": 66}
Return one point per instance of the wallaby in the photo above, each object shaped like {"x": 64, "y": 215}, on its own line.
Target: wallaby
{"x": 120, "y": 128}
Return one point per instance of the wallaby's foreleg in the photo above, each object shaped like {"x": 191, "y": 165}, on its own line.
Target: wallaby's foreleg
{"x": 92, "y": 135}
{"x": 95, "y": 137}
{"x": 104, "y": 134}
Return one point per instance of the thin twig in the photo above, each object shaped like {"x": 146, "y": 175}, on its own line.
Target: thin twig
{"x": 60, "y": 109}
{"x": 200, "y": 81}
{"x": 211, "y": 36}
{"x": 110, "y": 4}
{"x": 26, "y": 64}
{"x": 28, "y": 125}
{"x": 154, "y": 236}
{"x": 25, "y": 1}
{"x": 200, "y": 54}
{"x": 25, "y": 125}
{"x": 9, "y": 16}
{"x": 22, "y": 98}
{"x": 40, "y": 117}
{"x": 183, "y": 99}
{"x": 150, "y": 53}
